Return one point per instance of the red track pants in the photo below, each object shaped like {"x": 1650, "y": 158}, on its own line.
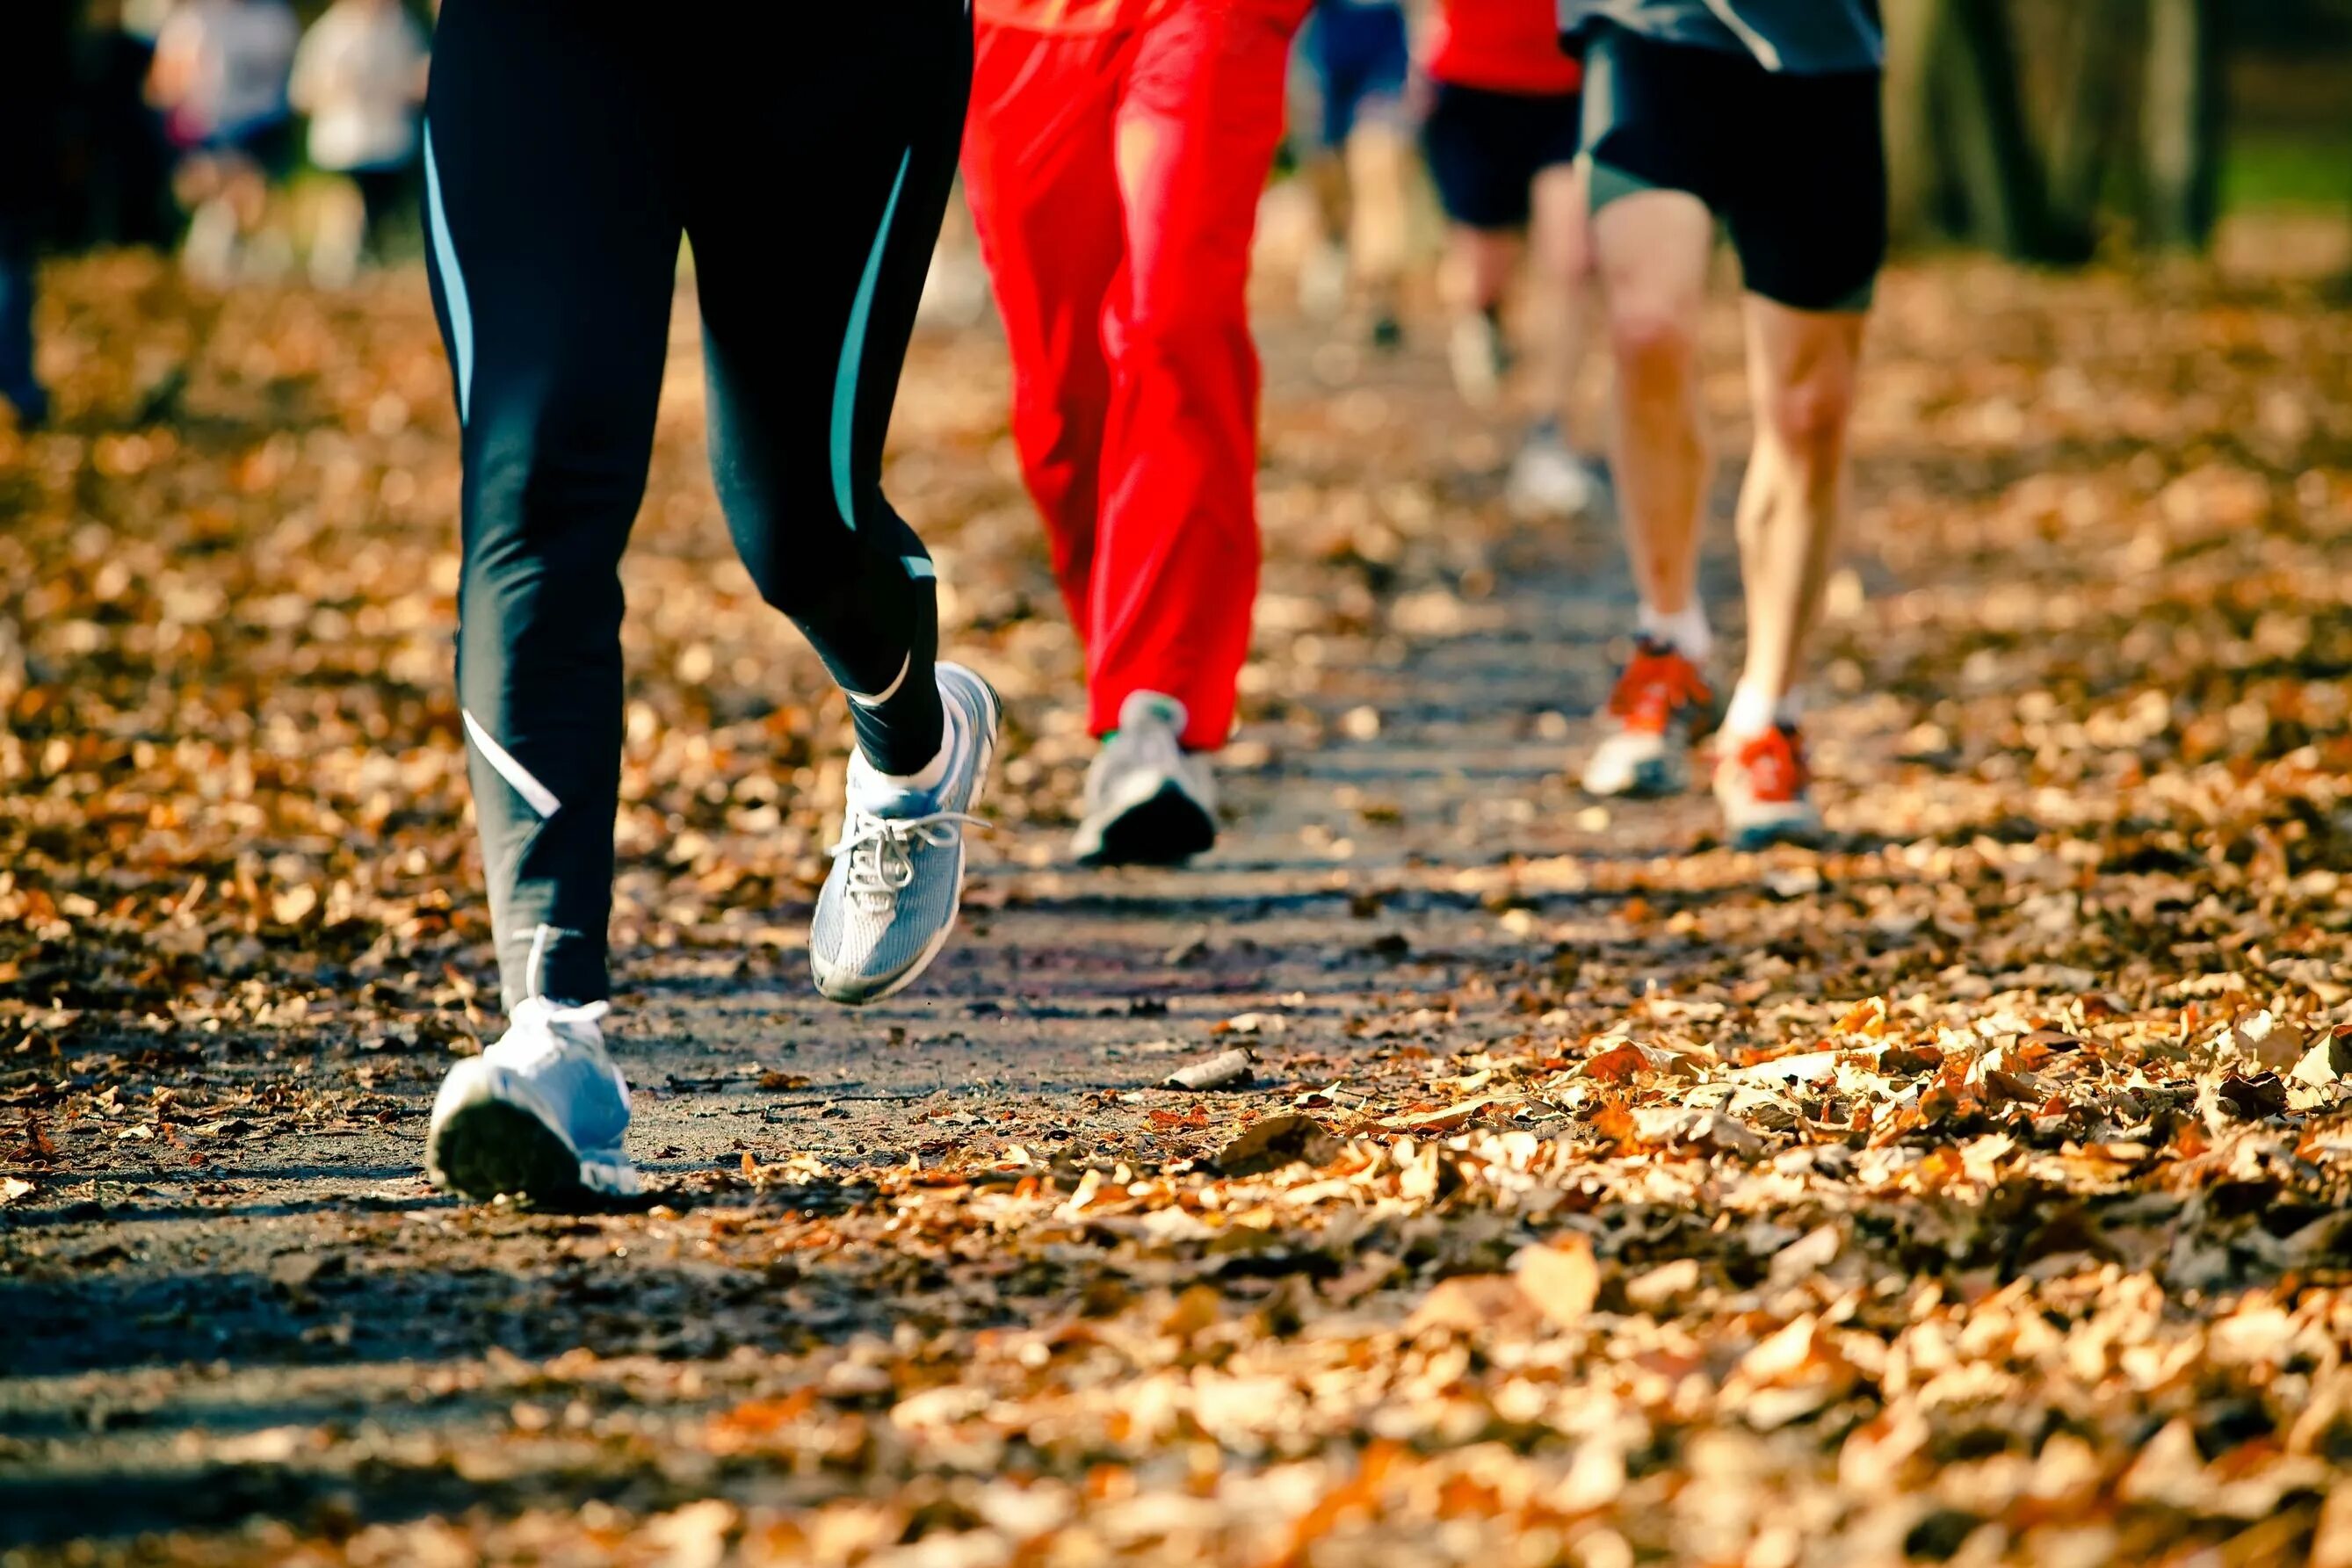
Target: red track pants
{"x": 1114, "y": 180}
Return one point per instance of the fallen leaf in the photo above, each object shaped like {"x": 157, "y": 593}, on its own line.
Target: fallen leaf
{"x": 1560, "y": 1277}
{"x": 1276, "y": 1140}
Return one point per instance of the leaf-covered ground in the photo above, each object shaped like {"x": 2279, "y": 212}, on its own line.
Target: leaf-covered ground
{"x": 1972, "y": 1189}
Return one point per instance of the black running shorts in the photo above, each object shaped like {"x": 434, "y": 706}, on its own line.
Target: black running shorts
{"x": 1794, "y": 165}
{"x": 1485, "y": 150}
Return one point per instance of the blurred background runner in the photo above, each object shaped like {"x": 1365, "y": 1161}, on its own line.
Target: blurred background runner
{"x": 116, "y": 176}
{"x": 33, "y": 85}
{"x": 1501, "y": 138}
{"x": 220, "y": 78}
{"x": 1349, "y": 128}
{"x": 360, "y": 76}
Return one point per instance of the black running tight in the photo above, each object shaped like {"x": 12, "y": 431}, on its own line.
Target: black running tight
{"x": 806, "y": 153}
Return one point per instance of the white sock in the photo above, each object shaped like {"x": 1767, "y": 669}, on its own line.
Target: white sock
{"x": 931, "y": 774}
{"x": 1685, "y": 630}
{"x": 1753, "y": 711}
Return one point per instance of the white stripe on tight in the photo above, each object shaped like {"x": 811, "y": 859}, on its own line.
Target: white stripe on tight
{"x": 534, "y": 974}
{"x": 887, "y": 692}
{"x": 541, "y": 799}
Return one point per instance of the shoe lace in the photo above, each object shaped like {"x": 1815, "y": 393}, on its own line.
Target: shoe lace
{"x": 881, "y": 850}
{"x": 1774, "y": 765}
{"x": 1657, "y": 685}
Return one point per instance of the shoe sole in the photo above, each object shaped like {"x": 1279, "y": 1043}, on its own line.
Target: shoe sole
{"x": 1166, "y": 828}
{"x": 1764, "y": 835}
{"x": 858, "y": 996}
{"x": 489, "y": 1148}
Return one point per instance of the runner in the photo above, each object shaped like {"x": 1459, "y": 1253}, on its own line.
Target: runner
{"x": 360, "y": 76}
{"x": 1351, "y": 148}
{"x": 567, "y": 148}
{"x": 1764, "y": 113}
{"x": 1116, "y": 155}
{"x": 219, "y": 76}
{"x": 33, "y": 79}
{"x": 1501, "y": 141}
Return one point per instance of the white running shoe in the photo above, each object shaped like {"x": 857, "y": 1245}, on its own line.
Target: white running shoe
{"x": 1661, "y": 703}
{"x": 1548, "y": 480}
{"x": 1149, "y": 802}
{"x": 897, "y": 880}
{"x": 1766, "y": 790}
{"x": 541, "y": 1114}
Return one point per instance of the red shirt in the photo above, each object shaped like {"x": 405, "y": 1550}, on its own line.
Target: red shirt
{"x": 1112, "y": 15}
{"x": 1502, "y": 45}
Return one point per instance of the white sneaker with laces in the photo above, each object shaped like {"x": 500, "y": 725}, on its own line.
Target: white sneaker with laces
{"x": 1147, "y": 800}
{"x": 541, "y": 1114}
{"x": 897, "y": 880}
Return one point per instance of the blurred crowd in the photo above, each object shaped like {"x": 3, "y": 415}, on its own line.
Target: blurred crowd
{"x": 180, "y": 122}
{"x": 253, "y": 143}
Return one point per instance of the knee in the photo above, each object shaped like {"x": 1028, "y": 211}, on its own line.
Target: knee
{"x": 1199, "y": 319}
{"x": 1653, "y": 336}
{"x": 1807, "y": 417}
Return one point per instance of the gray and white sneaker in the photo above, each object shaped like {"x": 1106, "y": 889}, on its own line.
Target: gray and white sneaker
{"x": 898, "y": 872}
{"x": 541, "y": 1114}
{"x": 1149, "y": 802}
{"x": 1549, "y": 480}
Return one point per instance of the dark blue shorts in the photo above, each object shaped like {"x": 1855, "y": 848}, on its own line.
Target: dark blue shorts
{"x": 1485, "y": 150}
{"x": 1360, "y": 59}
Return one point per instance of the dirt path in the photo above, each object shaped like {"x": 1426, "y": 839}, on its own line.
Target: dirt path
{"x": 951, "y": 1280}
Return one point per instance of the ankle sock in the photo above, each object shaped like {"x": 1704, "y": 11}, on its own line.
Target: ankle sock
{"x": 1754, "y": 710}
{"x": 1685, "y": 630}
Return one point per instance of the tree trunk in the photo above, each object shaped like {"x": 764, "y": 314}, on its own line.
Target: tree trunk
{"x": 2180, "y": 121}
{"x": 2094, "y": 98}
{"x": 1982, "y": 122}
{"x": 1914, "y": 156}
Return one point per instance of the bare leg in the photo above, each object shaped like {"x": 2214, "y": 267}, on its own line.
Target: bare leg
{"x": 1476, "y": 277}
{"x": 1800, "y": 372}
{"x": 1653, "y": 248}
{"x": 1378, "y": 214}
{"x": 1563, "y": 259}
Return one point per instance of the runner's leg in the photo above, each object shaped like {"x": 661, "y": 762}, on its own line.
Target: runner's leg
{"x": 1809, "y": 249}
{"x": 553, "y": 236}
{"x": 1651, "y": 167}
{"x": 803, "y": 372}
{"x": 1039, "y": 175}
{"x": 1470, "y": 141}
{"x": 1801, "y": 374}
{"x": 1176, "y": 566}
{"x": 1652, "y": 247}
{"x": 1560, "y": 237}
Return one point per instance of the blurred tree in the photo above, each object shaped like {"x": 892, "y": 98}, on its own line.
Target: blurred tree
{"x": 2031, "y": 126}
{"x": 2181, "y": 120}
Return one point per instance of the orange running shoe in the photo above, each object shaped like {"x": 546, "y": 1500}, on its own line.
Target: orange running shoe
{"x": 1659, "y": 707}
{"x": 1765, "y": 789}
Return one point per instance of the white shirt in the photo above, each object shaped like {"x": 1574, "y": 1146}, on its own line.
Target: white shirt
{"x": 235, "y": 54}
{"x": 358, "y": 75}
